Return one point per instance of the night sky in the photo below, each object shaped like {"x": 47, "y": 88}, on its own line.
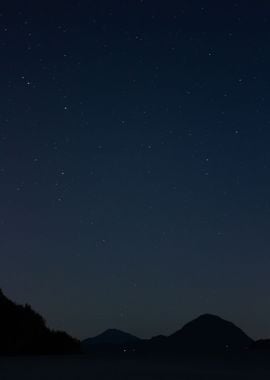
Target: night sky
{"x": 135, "y": 162}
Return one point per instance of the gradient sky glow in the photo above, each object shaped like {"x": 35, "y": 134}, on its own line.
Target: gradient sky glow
{"x": 135, "y": 162}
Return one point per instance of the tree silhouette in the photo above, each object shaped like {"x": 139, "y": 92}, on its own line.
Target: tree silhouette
{"x": 22, "y": 330}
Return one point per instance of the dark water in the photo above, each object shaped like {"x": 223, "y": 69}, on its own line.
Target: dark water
{"x": 83, "y": 367}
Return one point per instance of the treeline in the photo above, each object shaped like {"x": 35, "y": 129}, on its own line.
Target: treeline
{"x": 23, "y": 331}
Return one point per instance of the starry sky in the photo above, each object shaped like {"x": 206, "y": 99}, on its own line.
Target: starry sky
{"x": 135, "y": 162}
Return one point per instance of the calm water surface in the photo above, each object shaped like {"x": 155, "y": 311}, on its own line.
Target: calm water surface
{"x": 84, "y": 367}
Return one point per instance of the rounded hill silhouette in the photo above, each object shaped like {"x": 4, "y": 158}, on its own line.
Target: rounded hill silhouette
{"x": 112, "y": 336}
{"x": 210, "y": 333}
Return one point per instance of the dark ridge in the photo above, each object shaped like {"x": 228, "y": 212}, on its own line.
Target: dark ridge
{"x": 23, "y": 331}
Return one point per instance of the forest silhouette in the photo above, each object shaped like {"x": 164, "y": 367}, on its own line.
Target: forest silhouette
{"x": 24, "y": 331}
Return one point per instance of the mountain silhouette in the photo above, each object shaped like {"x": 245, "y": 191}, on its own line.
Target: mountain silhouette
{"x": 112, "y": 336}
{"x": 205, "y": 334}
{"x": 23, "y": 331}
{"x": 209, "y": 333}
{"x": 110, "y": 341}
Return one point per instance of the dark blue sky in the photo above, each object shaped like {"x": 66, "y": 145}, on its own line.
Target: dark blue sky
{"x": 135, "y": 162}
